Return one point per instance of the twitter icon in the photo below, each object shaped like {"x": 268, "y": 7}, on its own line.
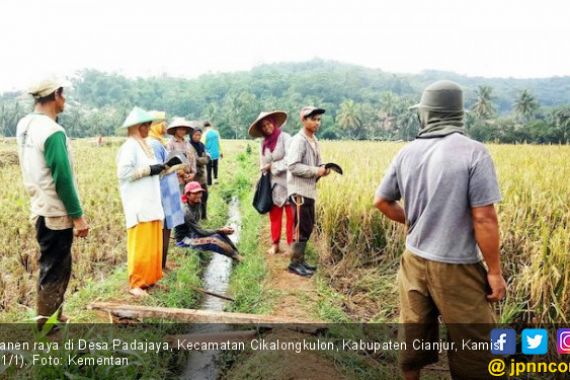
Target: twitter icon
{"x": 534, "y": 341}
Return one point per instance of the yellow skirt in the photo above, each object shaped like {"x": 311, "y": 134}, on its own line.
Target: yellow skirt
{"x": 144, "y": 246}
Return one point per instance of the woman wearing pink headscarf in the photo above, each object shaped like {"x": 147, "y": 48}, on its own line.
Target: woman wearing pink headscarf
{"x": 272, "y": 159}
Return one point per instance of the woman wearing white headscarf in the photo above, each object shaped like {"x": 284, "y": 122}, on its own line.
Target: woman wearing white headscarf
{"x": 137, "y": 170}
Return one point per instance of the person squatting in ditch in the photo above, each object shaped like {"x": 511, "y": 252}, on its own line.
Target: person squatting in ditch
{"x": 192, "y": 235}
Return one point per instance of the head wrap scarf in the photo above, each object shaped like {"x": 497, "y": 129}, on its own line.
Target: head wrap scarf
{"x": 439, "y": 124}
{"x": 270, "y": 142}
{"x": 158, "y": 127}
{"x": 198, "y": 145}
{"x": 157, "y": 131}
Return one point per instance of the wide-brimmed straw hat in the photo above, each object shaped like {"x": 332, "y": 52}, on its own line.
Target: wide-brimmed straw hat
{"x": 179, "y": 122}
{"x": 138, "y": 116}
{"x": 280, "y": 118}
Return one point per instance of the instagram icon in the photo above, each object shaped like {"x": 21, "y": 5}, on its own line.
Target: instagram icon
{"x": 563, "y": 341}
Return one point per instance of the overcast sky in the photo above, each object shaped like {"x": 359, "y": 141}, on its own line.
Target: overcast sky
{"x": 189, "y": 38}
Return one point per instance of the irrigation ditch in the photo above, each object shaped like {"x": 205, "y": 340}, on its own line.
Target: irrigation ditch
{"x": 202, "y": 364}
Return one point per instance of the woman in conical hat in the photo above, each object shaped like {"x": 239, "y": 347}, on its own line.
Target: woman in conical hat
{"x": 273, "y": 152}
{"x": 169, "y": 186}
{"x": 138, "y": 169}
{"x": 179, "y": 128}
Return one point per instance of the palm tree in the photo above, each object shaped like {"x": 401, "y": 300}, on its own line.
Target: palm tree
{"x": 348, "y": 117}
{"x": 408, "y": 126}
{"x": 483, "y": 107}
{"x": 9, "y": 117}
{"x": 388, "y": 102}
{"x": 526, "y": 105}
{"x": 561, "y": 121}
{"x": 407, "y": 120}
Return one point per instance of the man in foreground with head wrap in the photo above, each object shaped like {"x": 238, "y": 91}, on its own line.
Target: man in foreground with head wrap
{"x": 449, "y": 186}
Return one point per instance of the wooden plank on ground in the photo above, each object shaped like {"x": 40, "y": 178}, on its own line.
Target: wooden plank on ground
{"x": 206, "y": 316}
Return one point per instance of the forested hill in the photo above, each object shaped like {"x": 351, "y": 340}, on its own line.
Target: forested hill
{"x": 360, "y": 102}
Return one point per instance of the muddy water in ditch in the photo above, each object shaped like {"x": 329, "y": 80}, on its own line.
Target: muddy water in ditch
{"x": 201, "y": 365}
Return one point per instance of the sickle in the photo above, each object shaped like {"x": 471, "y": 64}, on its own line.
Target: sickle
{"x": 334, "y": 167}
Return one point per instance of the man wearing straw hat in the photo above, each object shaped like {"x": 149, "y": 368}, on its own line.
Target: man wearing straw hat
{"x": 47, "y": 171}
{"x": 449, "y": 185}
{"x": 304, "y": 168}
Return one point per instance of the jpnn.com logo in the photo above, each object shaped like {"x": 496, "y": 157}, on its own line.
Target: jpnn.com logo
{"x": 504, "y": 341}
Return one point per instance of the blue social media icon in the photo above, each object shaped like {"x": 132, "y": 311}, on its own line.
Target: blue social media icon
{"x": 503, "y": 341}
{"x": 534, "y": 341}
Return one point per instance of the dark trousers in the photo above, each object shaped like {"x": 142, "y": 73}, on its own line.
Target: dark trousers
{"x": 55, "y": 267}
{"x": 304, "y": 217}
{"x": 212, "y": 165}
{"x": 216, "y": 243}
{"x": 204, "y": 205}
{"x": 304, "y": 210}
{"x": 165, "y": 243}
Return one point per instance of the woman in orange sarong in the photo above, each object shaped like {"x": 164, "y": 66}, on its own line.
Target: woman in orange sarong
{"x": 138, "y": 169}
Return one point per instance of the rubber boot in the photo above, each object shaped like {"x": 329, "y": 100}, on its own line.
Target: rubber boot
{"x": 301, "y": 259}
{"x": 298, "y": 252}
{"x": 297, "y": 259}
{"x": 49, "y": 301}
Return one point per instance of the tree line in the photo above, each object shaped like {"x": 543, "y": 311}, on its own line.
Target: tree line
{"x": 361, "y": 103}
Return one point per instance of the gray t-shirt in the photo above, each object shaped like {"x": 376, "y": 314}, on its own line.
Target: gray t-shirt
{"x": 441, "y": 179}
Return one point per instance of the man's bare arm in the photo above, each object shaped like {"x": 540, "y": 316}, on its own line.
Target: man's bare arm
{"x": 391, "y": 209}
{"x": 486, "y": 226}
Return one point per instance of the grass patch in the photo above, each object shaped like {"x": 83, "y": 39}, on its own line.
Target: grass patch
{"x": 179, "y": 283}
{"x": 329, "y": 305}
{"x": 247, "y": 282}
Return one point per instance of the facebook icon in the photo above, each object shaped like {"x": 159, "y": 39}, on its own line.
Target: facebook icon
{"x": 503, "y": 341}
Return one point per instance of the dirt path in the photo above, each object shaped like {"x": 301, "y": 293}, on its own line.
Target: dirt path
{"x": 296, "y": 295}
